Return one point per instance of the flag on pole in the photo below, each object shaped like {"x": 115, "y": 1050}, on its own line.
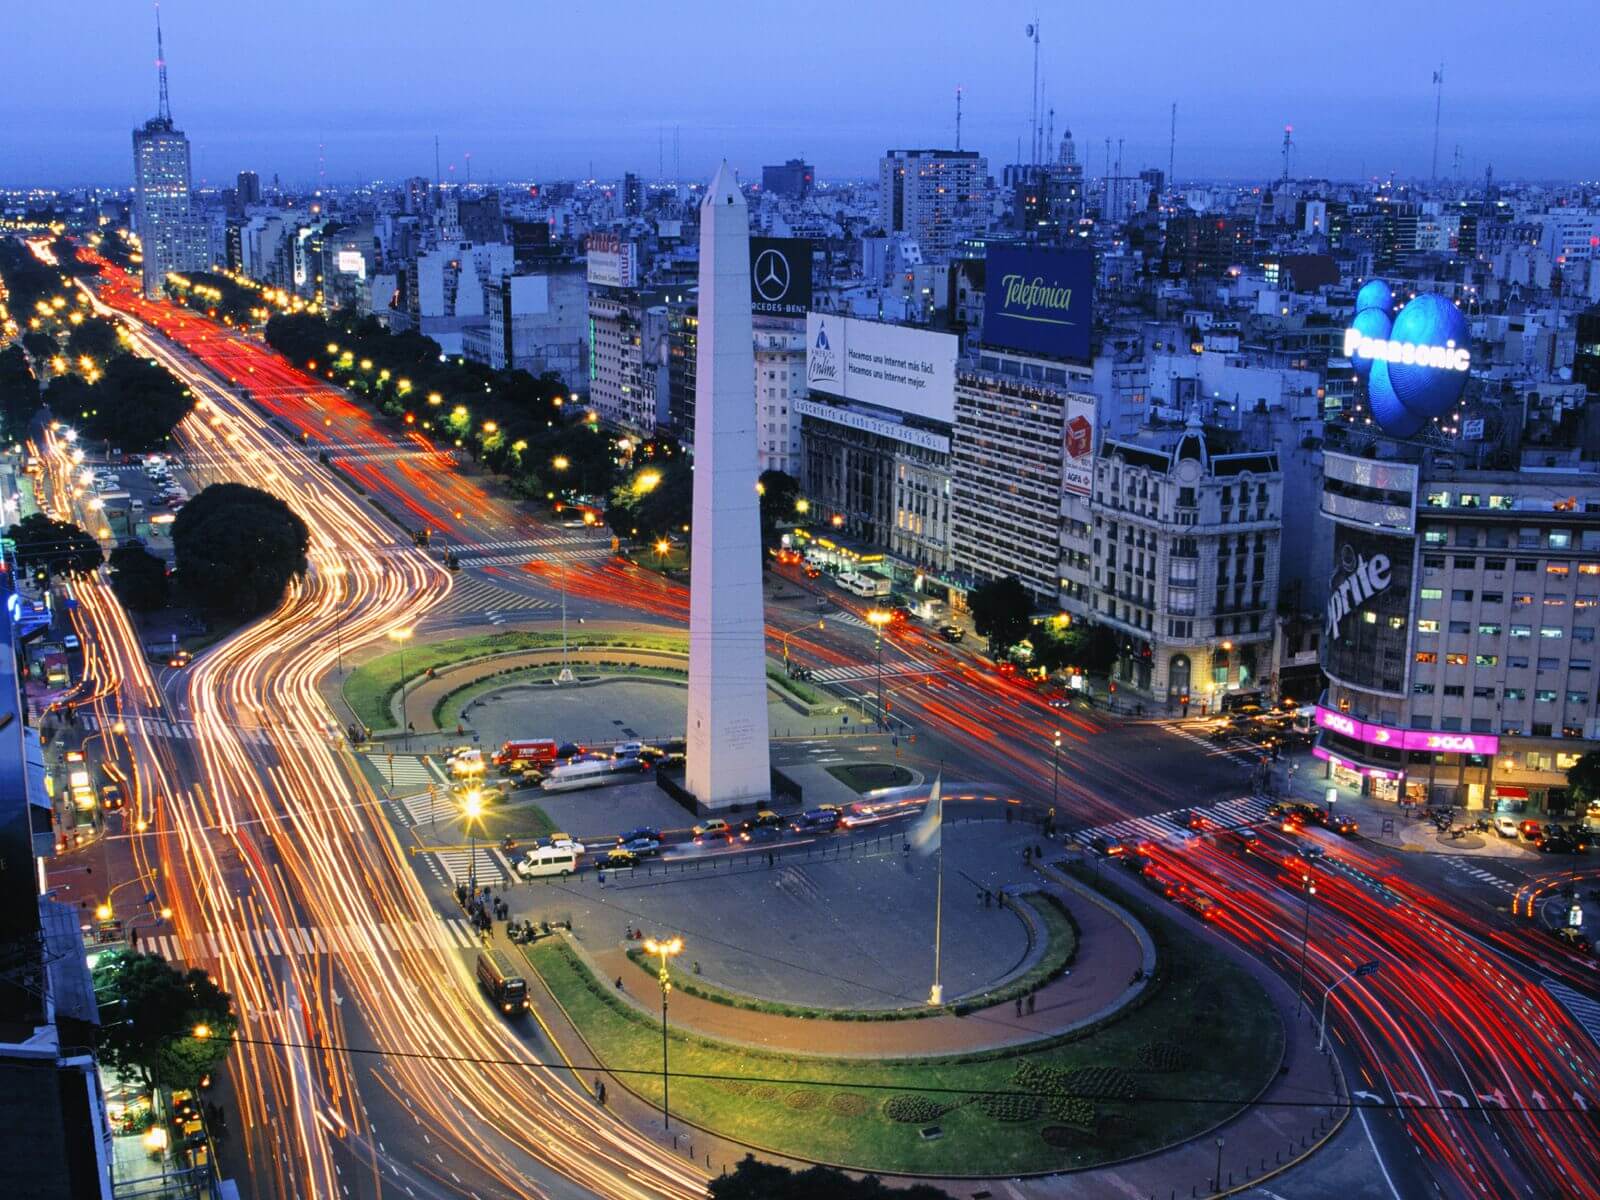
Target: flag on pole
{"x": 926, "y": 833}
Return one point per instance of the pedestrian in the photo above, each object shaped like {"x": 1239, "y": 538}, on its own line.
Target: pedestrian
{"x": 1019, "y": 1006}
{"x": 1031, "y": 996}
{"x": 1038, "y": 853}
{"x": 980, "y": 898}
{"x": 772, "y": 859}
{"x": 619, "y": 983}
{"x": 988, "y": 898}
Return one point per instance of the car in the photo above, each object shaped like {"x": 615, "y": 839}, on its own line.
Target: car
{"x": 766, "y": 818}
{"x": 641, "y": 846}
{"x": 179, "y": 658}
{"x": 69, "y": 641}
{"x": 716, "y": 827}
{"x": 812, "y": 571}
{"x": 619, "y": 858}
{"x": 647, "y": 833}
{"x": 627, "y": 750}
{"x": 760, "y": 833}
{"x": 1554, "y": 840}
{"x": 816, "y": 820}
{"x": 1190, "y": 820}
{"x": 570, "y": 750}
{"x": 1505, "y": 826}
{"x": 1161, "y": 882}
{"x": 952, "y": 633}
{"x": 1123, "y": 848}
{"x": 1530, "y": 830}
{"x": 1200, "y": 904}
{"x": 1342, "y": 824}
{"x": 1573, "y": 939}
{"x": 112, "y": 797}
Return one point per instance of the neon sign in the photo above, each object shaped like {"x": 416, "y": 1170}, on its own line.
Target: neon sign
{"x": 1448, "y": 357}
{"x": 1407, "y": 739}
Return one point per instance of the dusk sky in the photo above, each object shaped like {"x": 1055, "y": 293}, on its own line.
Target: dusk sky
{"x": 539, "y": 90}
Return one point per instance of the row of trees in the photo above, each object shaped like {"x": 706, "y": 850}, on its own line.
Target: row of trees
{"x": 131, "y": 403}
{"x": 162, "y": 1025}
{"x": 1002, "y": 612}
{"x": 216, "y": 296}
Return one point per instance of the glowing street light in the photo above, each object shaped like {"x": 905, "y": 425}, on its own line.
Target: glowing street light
{"x": 402, "y": 636}
{"x": 664, "y": 949}
{"x": 879, "y": 618}
{"x": 472, "y": 811}
{"x": 560, "y": 462}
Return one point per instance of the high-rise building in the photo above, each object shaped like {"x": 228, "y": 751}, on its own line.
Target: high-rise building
{"x": 170, "y": 238}
{"x": 248, "y": 191}
{"x": 793, "y": 179}
{"x": 632, "y": 195}
{"x": 935, "y": 196}
{"x": 728, "y": 760}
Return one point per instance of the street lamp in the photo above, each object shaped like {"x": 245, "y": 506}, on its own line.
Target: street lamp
{"x": 785, "y": 639}
{"x": 1216, "y": 1184}
{"x": 1366, "y": 968}
{"x": 664, "y": 950}
{"x": 402, "y": 636}
{"x": 1309, "y": 887}
{"x": 879, "y": 618}
{"x": 472, "y": 809}
{"x": 1055, "y": 774}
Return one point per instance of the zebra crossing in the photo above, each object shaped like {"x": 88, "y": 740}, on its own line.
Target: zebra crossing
{"x": 493, "y": 867}
{"x": 1242, "y": 810}
{"x": 404, "y": 770}
{"x": 506, "y": 560}
{"x": 163, "y": 727}
{"x": 1468, "y": 867}
{"x": 1585, "y": 1010}
{"x": 481, "y": 596}
{"x": 854, "y": 673}
{"x": 1233, "y": 744}
{"x": 372, "y": 941}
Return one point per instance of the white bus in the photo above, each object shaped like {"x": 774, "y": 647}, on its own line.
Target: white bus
{"x": 570, "y": 777}
{"x": 866, "y": 586}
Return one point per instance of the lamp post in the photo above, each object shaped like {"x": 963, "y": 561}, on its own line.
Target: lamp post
{"x": 785, "y": 640}
{"x": 1055, "y": 773}
{"x": 1366, "y": 968}
{"x": 1216, "y": 1184}
{"x": 879, "y": 618}
{"x": 472, "y": 809}
{"x": 402, "y": 636}
{"x": 664, "y": 949}
{"x": 1309, "y": 887}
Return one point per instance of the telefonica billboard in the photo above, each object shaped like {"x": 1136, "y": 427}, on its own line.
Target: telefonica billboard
{"x": 1039, "y": 301}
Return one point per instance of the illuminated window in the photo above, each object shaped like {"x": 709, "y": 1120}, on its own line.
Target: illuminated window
{"x": 1433, "y": 593}
{"x": 1426, "y": 626}
{"x": 1552, "y": 633}
{"x": 1561, "y": 569}
{"x": 1589, "y": 568}
{"x": 1427, "y": 656}
{"x": 1521, "y": 631}
{"x": 1455, "y": 660}
{"x": 1489, "y": 629}
{"x": 1485, "y": 660}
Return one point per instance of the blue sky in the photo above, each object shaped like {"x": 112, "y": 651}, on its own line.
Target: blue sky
{"x": 540, "y": 90}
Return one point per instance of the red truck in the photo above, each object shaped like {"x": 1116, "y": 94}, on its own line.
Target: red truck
{"x": 536, "y": 751}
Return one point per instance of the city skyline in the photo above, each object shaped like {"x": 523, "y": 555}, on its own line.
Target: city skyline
{"x": 838, "y": 99}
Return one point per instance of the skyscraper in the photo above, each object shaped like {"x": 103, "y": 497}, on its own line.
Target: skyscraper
{"x": 728, "y": 760}
{"x": 938, "y": 197}
{"x": 170, "y": 239}
{"x": 249, "y": 188}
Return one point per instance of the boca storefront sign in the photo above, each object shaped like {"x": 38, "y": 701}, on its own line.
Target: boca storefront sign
{"x": 1039, "y": 301}
{"x": 1407, "y": 739}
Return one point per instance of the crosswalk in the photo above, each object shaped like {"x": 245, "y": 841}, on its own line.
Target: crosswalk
{"x": 1233, "y": 744}
{"x": 372, "y": 941}
{"x": 1467, "y": 867}
{"x": 481, "y": 596}
{"x": 857, "y": 672}
{"x": 493, "y": 867}
{"x": 1242, "y": 810}
{"x": 163, "y": 727}
{"x": 531, "y": 555}
{"x": 405, "y": 770}
{"x": 1585, "y": 1010}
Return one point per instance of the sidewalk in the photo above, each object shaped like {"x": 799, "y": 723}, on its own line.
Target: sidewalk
{"x": 1074, "y": 999}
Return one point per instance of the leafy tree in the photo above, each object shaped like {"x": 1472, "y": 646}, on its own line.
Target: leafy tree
{"x": 237, "y": 548}
{"x": 136, "y": 405}
{"x": 19, "y": 394}
{"x": 1000, "y": 612}
{"x": 71, "y": 398}
{"x": 1583, "y": 780}
{"x": 752, "y": 1180}
{"x": 139, "y": 578}
{"x": 153, "y": 1012}
{"x": 779, "y": 491}
{"x": 61, "y": 546}
{"x": 656, "y": 500}
{"x": 41, "y": 345}
{"x": 1095, "y": 647}
{"x": 95, "y": 339}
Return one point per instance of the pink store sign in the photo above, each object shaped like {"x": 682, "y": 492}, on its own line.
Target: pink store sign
{"x": 1486, "y": 744}
{"x": 1371, "y": 772}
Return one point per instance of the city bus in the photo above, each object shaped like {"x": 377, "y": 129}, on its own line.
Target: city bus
{"x": 498, "y": 980}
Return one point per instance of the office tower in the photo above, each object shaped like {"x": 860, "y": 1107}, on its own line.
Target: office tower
{"x": 938, "y": 197}
{"x": 248, "y": 190}
{"x": 170, "y": 239}
{"x": 793, "y": 179}
{"x": 728, "y": 760}
{"x": 632, "y": 195}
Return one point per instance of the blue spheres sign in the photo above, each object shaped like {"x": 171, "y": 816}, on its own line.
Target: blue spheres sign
{"x": 1415, "y": 362}
{"x": 1039, "y": 301}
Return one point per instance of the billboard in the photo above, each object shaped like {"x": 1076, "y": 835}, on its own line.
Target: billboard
{"x": 1077, "y": 457}
{"x": 780, "y": 276}
{"x": 1367, "y": 630}
{"x": 898, "y": 367}
{"x": 1407, "y": 739}
{"x": 612, "y": 261}
{"x": 1039, "y": 301}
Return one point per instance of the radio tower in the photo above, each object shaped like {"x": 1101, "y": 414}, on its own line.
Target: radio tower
{"x": 1288, "y": 149}
{"x": 1172, "y": 142}
{"x": 1438, "y": 100}
{"x": 958, "y": 116}
{"x": 1033, "y": 32}
{"x": 164, "y": 105}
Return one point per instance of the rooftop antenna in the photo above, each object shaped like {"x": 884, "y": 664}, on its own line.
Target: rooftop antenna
{"x": 468, "y": 155}
{"x": 164, "y": 105}
{"x": 438, "y": 176}
{"x": 1033, "y": 32}
{"x": 1172, "y": 142}
{"x": 1050, "y": 133}
{"x": 1438, "y": 100}
{"x": 958, "y": 116}
{"x": 1288, "y": 149}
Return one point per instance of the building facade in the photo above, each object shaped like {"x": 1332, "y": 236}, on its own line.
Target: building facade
{"x": 1461, "y": 631}
{"x": 780, "y": 380}
{"x": 627, "y": 368}
{"x": 938, "y": 197}
{"x": 170, "y": 239}
{"x": 791, "y": 180}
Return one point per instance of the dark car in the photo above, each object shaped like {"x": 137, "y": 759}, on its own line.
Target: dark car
{"x": 754, "y": 834}
{"x": 816, "y": 820}
{"x": 766, "y": 818}
{"x": 1555, "y": 840}
{"x": 641, "y": 846}
{"x": 952, "y": 633}
{"x": 1572, "y": 939}
{"x": 1190, "y": 820}
{"x": 570, "y": 750}
{"x": 642, "y": 833}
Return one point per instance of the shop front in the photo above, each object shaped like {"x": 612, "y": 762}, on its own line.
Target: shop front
{"x": 1413, "y": 766}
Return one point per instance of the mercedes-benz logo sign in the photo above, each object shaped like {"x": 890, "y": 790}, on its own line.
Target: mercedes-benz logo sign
{"x": 772, "y": 276}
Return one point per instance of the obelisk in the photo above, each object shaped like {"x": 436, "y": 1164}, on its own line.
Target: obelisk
{"x": 728, "y": 760}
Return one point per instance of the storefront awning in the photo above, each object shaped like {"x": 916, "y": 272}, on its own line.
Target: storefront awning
{"x": 1510, "y": 793}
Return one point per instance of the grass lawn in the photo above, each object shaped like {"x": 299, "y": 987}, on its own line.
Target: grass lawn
{"x": 1207, "y": 1037}
{"x": 1059, "y": 930}
{"x": 453, "y": 702}
{"x": 370, "y": 687}
{"x": 864, "y": 777}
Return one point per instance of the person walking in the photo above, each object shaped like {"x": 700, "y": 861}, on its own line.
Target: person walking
{"x": 1019, "y": 1006}
{"x": 1031, "y": 997}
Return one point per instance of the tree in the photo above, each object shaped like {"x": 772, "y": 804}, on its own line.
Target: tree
{"x": 1583, "y": 781}
{"x": 1000, "y": 611}
{"x": 752, "y": 1180}
{"x": 237, "y": 548}
{"x": 59, "y": 546}
{"x": 655, "y": 501}
{"x": 136, "y": 405}
{"x": 168, "y": 1026}
{"x": 779, "y": 491}
{"x": 19, "y": 394}
{"x": 139, "y": 578}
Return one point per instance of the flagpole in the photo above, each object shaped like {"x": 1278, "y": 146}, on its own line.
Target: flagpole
{"x": 936, "y": 995}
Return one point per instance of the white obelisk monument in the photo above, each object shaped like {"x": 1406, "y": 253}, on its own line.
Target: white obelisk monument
{"x": 728, "y": 751}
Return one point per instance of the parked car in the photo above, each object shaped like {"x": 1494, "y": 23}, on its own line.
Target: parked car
{"x": 1505, "y": 826}
{"x": 1573, "y": 939}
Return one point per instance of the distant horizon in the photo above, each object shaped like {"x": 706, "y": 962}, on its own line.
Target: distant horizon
{"x": 358, "y": 92}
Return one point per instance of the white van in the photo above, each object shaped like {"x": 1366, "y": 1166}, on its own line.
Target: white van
{"x": 467, "y": 762}
{"x": 549, "y": 860}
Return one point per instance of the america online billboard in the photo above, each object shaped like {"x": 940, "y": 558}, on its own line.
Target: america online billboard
{"x": 1039, "y": 301}
{"x": 908, "y": 370}
{"x": 1415, "y": 361}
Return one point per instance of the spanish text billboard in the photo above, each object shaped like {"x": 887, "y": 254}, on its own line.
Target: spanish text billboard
{"x": 1039, "y": 301}
{"x": 898, "y": 367}
{"x": 612, "y": 262}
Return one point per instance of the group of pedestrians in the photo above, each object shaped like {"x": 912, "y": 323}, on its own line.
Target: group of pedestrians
{"x": 483, "y": 907}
